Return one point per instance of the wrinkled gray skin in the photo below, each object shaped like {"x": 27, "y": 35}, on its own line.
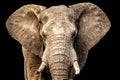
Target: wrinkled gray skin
{"x": 57, "y": 39}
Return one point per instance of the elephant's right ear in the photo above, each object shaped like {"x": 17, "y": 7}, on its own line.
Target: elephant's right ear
{"x": 23, "y": 25}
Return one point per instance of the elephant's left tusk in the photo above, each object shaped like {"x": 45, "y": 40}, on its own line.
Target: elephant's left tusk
{"x": 76, "y": 67}
{"x": 42, "y": 67}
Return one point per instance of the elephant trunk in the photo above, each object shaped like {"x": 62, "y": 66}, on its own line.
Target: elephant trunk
{"x": 59, "y": 57}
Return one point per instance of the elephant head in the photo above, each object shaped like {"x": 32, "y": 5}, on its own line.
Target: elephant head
{"x": 57, "y": 38}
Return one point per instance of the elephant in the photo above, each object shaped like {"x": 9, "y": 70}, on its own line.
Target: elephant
{"x": 56, "y": 41}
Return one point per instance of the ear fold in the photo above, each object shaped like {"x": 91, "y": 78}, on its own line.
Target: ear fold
{"x": 23, "y": 25}
{"x": 93, "y": 24}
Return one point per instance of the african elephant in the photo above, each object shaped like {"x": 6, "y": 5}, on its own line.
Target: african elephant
{"x": 56, "y": 40}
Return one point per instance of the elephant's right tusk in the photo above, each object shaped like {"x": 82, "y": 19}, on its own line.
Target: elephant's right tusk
{"x": 42, "y": 67}
{"x": 76, "y": 67}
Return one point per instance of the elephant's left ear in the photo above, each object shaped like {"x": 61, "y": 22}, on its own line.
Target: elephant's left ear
{"x": 93, "y": 24}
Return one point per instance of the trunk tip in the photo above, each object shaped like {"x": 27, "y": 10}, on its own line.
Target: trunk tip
{"x": 77, "y": 72}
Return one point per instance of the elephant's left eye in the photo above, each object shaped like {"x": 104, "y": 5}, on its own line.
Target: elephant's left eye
{"x": 73, "y": 30}
{"x": 73, "y": 34}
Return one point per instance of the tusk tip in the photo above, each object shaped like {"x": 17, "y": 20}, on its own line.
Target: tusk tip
{"x": 77, "y": 72}
{"x": 41, "y": 68}
{"x": 76, "y": 67}
{"x": 38, "y": 71}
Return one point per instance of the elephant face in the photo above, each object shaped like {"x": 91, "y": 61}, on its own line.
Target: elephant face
{"x": 61, "y": 36}
{"x": 58, "y": 33}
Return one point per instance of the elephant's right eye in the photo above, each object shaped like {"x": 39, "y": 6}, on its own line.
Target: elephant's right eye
{"x": 43, "y": 35}
{"x": 74, "y": 34}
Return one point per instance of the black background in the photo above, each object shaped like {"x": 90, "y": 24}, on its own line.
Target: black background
{"x": 102, "y": 59}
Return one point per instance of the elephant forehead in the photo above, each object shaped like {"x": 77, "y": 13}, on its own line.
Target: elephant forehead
{"x": 57, "y": 11}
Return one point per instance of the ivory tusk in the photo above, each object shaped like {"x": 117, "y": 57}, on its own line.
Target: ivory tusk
{"x": 76, "y": 67}
{"x": 42, "y": 67}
